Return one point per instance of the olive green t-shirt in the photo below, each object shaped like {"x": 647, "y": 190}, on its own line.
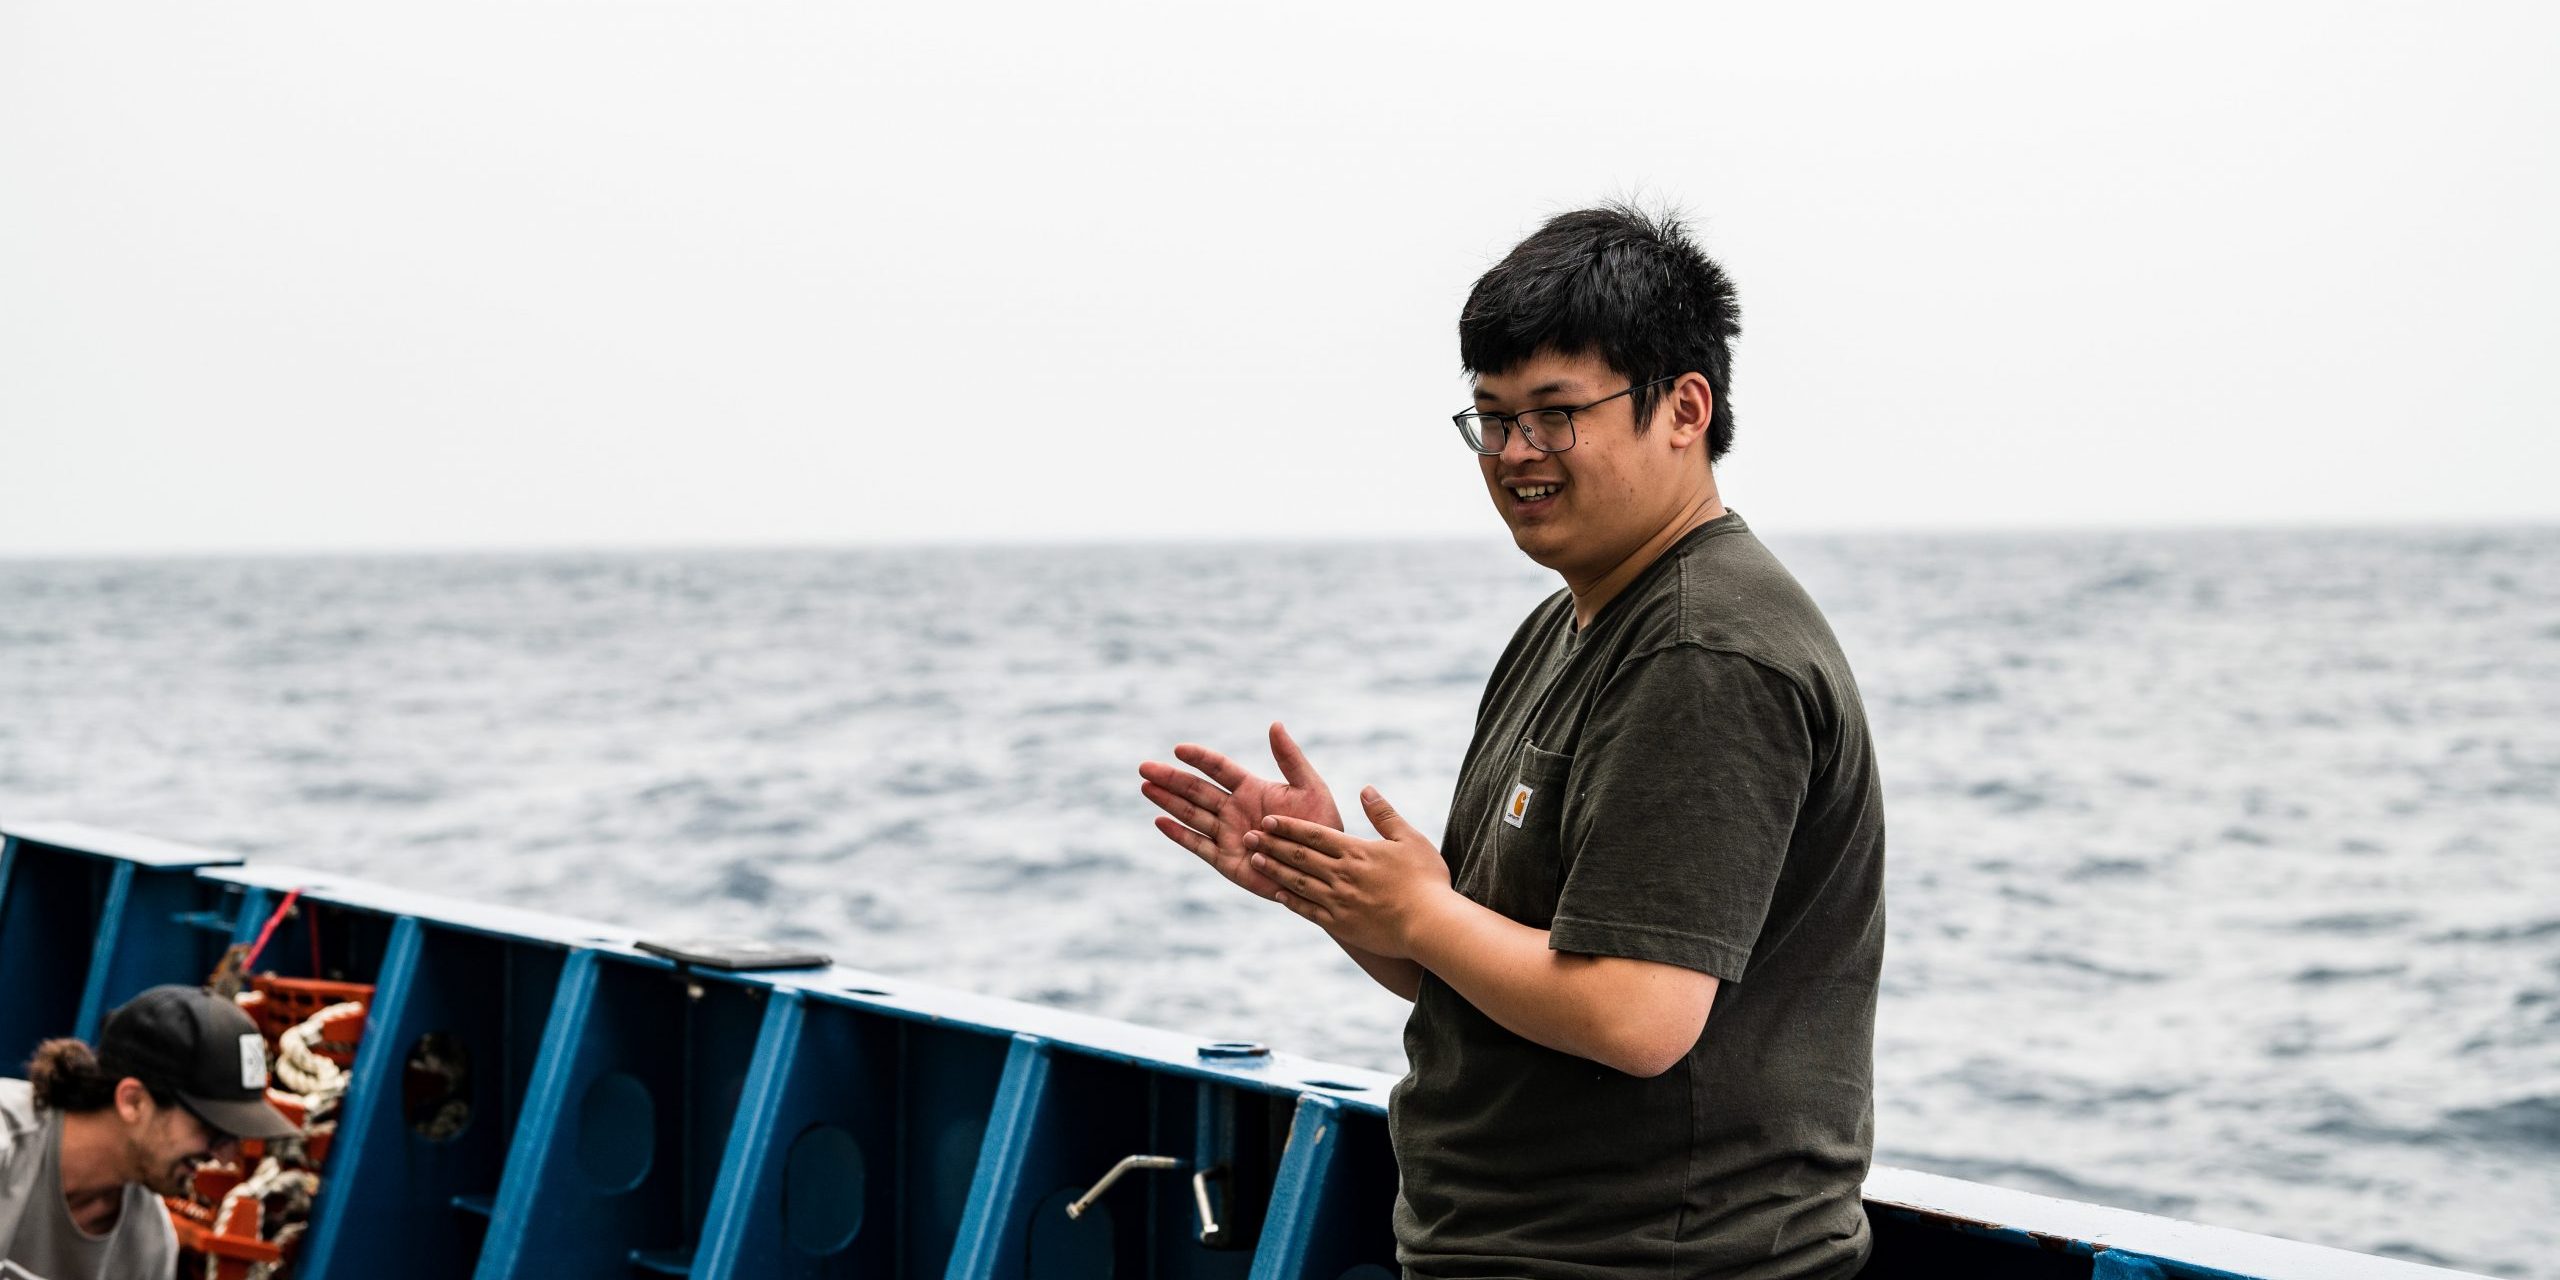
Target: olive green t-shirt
{"x": 1688, "y": 781}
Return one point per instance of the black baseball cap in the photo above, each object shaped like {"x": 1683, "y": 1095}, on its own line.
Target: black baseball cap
{"x": 201, "y": 1047}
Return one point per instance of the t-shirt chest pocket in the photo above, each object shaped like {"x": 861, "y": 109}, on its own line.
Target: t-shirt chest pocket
{"x": 1518, "y": 871}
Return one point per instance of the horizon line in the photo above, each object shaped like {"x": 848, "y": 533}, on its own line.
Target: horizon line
{"x": 389, "y": 551}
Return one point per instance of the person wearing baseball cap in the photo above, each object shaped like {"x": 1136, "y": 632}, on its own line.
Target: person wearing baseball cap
{"x": 91, "y": 1137}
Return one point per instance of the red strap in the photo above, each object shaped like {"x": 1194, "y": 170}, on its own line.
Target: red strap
{"x": 270, "y": 930}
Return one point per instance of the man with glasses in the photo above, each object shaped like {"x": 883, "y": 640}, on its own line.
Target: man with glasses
{"x": 1644, "y": 960}
{"x": 92, "y": 1138}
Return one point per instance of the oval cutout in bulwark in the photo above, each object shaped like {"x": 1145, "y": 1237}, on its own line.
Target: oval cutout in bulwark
{"x": 822, "y": 1183}
{"x": 617, "y": 1131}
{"x": 1064, "y": 1248}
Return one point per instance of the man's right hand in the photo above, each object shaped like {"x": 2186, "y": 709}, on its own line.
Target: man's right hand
{"x": 1210, "y": 811}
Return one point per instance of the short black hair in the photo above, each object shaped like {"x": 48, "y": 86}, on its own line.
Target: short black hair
{"x": 1628, "y": 286}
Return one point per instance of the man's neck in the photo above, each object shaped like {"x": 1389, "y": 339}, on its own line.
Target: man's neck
{"x": 1588, "y": 600}
{"x": 92, "y": 1178}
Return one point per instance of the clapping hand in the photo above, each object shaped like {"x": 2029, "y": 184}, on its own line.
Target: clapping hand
{"x": 1369, "y": 894}
{"x": 1211, "y": 811}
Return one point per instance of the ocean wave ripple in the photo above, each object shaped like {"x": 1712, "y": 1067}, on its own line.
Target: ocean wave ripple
{"x": 2221, "y": 870}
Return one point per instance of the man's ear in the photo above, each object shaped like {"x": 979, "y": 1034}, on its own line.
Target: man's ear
{"x": 133, "y": 1100}
{"x": 1693, "y": 405}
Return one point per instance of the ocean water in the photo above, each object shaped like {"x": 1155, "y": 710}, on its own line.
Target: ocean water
{"x": 2225, "y": 867}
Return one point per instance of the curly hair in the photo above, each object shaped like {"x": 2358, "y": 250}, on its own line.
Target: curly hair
{"x": 67, "y": 1078}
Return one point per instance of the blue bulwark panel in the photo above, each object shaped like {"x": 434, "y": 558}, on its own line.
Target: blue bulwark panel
{"x": 1330, "y": 1206}
{"x": 438, "y": 1085}
{"x": 949, "y": 1080}
{"x": 854, "y": 1146}
{"x": 1017, "y": 1150}
{"x": 625, "y": 1122}
{"x": 798, "y": 1187}
{"x": 1064, "y": 1120}
{"x": 50, "y": 905}
{"x": 315, "y": 938}
{"x": 88, "y": 919}
{"x": 535, "y": 1098}
{"x": 137, "y": 946}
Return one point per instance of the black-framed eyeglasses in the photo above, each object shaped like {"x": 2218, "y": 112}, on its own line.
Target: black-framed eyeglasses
{"x": 1546, "y": 430}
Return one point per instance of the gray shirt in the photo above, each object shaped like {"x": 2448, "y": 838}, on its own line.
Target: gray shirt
{"x": 36, "y": 1231}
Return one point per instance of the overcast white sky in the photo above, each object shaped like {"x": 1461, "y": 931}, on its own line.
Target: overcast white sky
{"x": 331, "y": 276}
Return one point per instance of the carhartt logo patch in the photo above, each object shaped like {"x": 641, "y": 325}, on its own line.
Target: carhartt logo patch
{"x": 1518, "y": 810}
{"x": 253, "y": 1062}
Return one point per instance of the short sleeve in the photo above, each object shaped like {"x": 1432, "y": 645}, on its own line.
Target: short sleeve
{"x": 1687, "y": 781}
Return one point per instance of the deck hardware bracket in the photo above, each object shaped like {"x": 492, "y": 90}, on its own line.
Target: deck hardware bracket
{"x": 1127, "y": 1163}
{"x": 1200, "y": 1194}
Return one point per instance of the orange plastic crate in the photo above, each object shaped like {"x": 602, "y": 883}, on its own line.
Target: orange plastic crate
{"x": 287, "y": 1002}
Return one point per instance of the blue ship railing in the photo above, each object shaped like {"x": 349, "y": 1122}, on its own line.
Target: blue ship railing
{"x": 629, "y": 1115}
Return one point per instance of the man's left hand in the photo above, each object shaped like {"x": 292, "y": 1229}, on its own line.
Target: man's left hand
{"x": 1368, "y": 893}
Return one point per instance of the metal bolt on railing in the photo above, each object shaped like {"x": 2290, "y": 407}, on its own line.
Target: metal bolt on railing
{"x": 1085, "y": 1201}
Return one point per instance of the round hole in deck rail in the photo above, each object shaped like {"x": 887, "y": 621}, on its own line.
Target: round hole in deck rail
{"x": 435, "y": 1086}
{"x": 822, "y": 1182}
{"x": 617, "y": 1131}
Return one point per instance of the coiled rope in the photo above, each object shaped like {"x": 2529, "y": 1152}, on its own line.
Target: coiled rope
{"x": 301, "y": 1068}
